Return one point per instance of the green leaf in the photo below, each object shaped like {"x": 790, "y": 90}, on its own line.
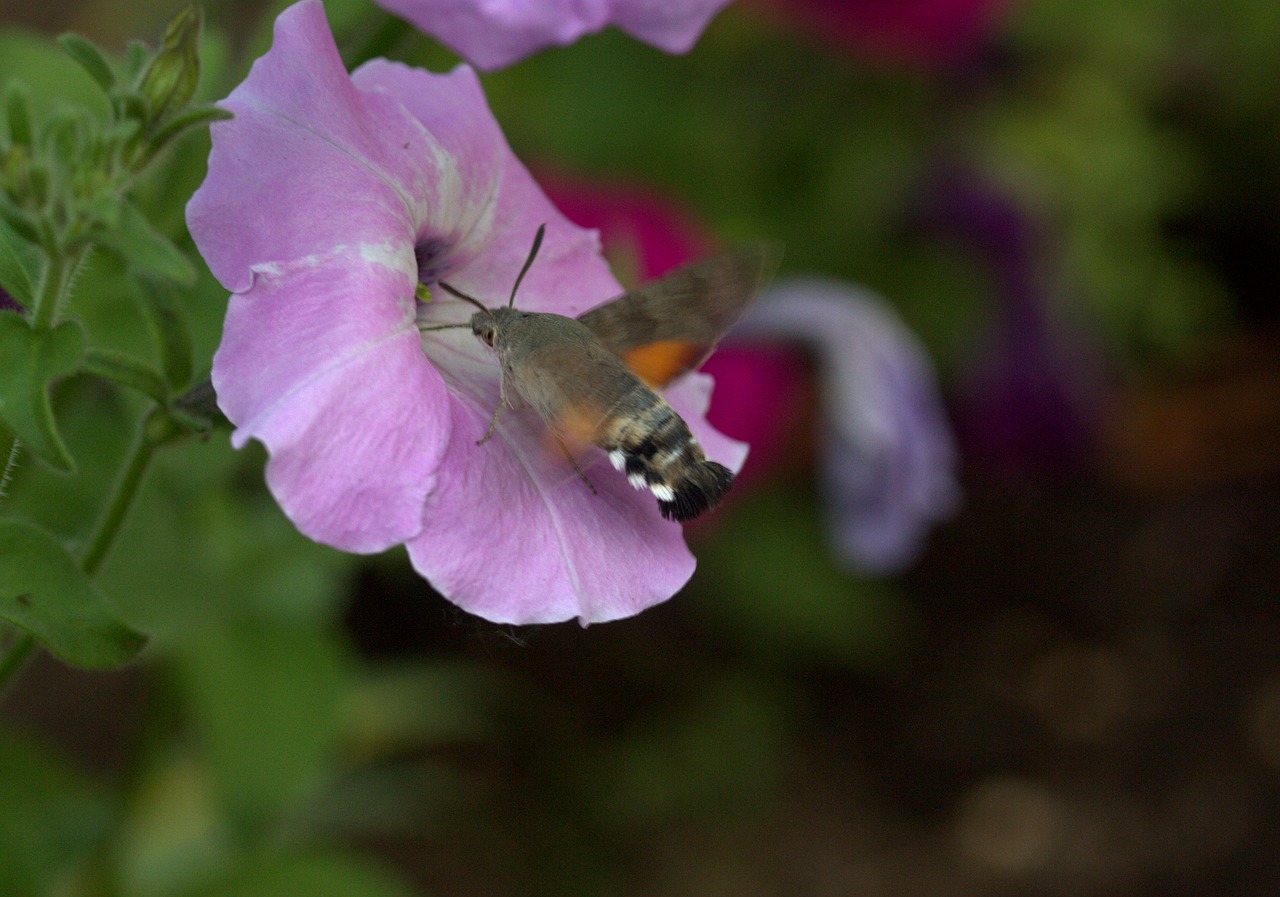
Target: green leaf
{"x": 19, "y": 265}
{"x": 90, "y": 59}
{"x": 46, "y": 593}
{"x": 17, "y": 107}
{"x": 126, "y": 370}
{"x": 170, "y": 328}
{"x": 329, "y": 874}
{"x": 142, "y": 246}
{"x": 29, "y": 361}
{"x": 137, "y": 55}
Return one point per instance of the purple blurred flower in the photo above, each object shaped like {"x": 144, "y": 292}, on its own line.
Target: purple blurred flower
{"x": 491, "y": 34}
{"x": 329, "y": 198}
{"x": 1032, "y": 395}
{"x": 887, "y": 456}
{"x": 8, "y": 303}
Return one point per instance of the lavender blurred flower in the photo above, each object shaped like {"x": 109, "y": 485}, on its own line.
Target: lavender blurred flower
{"x": 329, "y": 199}
{"x": 491, "y": 34}
{"x": 887, "y": 456}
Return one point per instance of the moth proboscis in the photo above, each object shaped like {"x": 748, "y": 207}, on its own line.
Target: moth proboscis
{"x": 594, "y": 378}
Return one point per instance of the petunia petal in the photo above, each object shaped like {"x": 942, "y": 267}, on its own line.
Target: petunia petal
{"x": 514, "y": 535}
{"x": 355, "y": 417}
{"x": 672, "y": 26}
{"x": 310, "y": 162}
{"x": 494, "y": 33}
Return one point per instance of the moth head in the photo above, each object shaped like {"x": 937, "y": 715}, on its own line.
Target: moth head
{"x": 485, "y": 326}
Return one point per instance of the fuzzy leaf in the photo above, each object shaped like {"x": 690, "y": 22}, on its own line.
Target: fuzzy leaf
{"x": 45, "y": 592}
{"x": 127, "y": 371}
{"x": 141, "y": 245}
{"x": 170, "y": 328}
{"x": 19, "y": 265}
{"x": 29, "y": 361}
{"x": 90, "y": 59}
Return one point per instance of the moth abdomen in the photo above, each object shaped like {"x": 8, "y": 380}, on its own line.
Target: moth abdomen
{"x": 699, "y": 489}
{"x": 655, "y": 449}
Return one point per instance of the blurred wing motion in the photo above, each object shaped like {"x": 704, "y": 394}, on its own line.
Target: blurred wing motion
{"x": 669, "y": 326}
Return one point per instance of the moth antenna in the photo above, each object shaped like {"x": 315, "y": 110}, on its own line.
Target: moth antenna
{"x": 533, "y": 253}
{"x": 442, "y": 327}
{"x": 461, "y": 295}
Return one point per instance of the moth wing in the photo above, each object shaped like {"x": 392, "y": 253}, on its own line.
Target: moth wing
{"x": 670, "y": 325}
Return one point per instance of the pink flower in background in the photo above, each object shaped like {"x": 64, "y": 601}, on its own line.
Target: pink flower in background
{"x": 645, "y": 234}
{"x": 329, "y": 198}
{"x": 919, "y": 31}
{"x": 491, "y": 34}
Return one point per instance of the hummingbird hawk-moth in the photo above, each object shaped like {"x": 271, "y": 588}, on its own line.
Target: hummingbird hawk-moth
{"x": 593, "y": 378}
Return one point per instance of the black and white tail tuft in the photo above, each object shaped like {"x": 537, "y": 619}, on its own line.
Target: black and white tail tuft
{"x": 685, "y": 483}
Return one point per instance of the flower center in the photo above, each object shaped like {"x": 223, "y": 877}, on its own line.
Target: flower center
{"x": 432, "y": 255}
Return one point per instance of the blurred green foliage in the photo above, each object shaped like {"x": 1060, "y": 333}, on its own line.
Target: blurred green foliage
{"x": 272, "y": 752}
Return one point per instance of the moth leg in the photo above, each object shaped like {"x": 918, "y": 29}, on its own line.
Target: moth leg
{"x": 578, "y": 470}
{"x": 493, "y": 421}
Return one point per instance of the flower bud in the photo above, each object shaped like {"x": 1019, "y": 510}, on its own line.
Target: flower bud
{"x": 17, "y": 107}
{"x": 170, "y": 80}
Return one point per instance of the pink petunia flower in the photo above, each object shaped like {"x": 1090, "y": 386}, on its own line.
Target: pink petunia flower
{"x": 491, "y": 34}
{"x": 329, "y": 199}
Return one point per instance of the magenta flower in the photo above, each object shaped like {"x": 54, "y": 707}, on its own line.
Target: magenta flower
{"x": 491, "y": 34}
{"x": 329, "y": 199}
{"x": 928, "y": 32}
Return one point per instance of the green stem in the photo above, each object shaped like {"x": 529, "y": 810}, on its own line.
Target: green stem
{"x": 14, "y": 654}
{"x": 55, "y": 284}
{"x": 10, "y": 464}
{"x": 126, "y": 490}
